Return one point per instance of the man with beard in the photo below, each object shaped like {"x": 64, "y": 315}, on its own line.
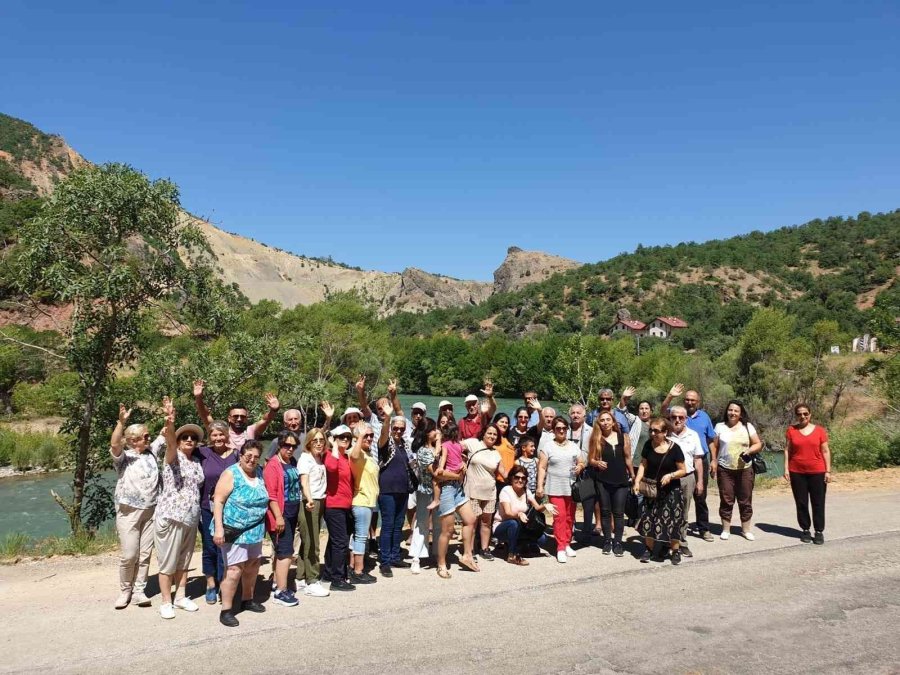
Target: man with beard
{"x": 239, "y": 432}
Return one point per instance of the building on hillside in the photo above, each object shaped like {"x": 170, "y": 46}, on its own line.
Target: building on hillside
{"x": 664, "y": 326}
{"x": 866, "y": 344}
{"x": 628, "y": 325}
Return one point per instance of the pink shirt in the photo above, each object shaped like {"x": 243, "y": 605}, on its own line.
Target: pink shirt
{"x": 236, "y": 440}
{"x": 454, "y": 456}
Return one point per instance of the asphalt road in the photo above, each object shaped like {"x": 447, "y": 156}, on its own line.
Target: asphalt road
{"x": 770, "y": 606}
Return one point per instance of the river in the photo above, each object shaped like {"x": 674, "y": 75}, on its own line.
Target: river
{"x": 26, "y": 505}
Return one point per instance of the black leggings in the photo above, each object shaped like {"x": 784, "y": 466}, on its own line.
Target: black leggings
{"x": 612, "y": 508}
{"x": 339, "y": 523}
{"x": 809, "y": 487}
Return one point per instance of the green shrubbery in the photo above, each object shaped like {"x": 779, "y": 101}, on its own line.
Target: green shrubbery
{"x": 30, "y": 450}
{"x": 16, "y": 545}
{"x": 865, "y": 446}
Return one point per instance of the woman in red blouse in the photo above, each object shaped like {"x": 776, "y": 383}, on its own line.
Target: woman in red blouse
{"x": 807, "y": 465}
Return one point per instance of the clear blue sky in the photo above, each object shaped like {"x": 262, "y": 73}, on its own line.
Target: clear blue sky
{"x": 435, "y": 135}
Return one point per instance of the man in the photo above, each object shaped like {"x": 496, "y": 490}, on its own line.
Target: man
{"x": 579, "y": 432}
{"x": 293, "y": 421}
{"x": 478, "y": 415}
{"x": 530, "y": 399}
{"x": 377, "y": 418}
{"x": 699, "y": 421}
{"x": 692, "y": 482}
{"x": 351, "y": 417}
{"x": 417, "y": 414}
{"x": 606, "y": 405}
{"x": 238, "y": 430}
{"x": 543, "y": 433}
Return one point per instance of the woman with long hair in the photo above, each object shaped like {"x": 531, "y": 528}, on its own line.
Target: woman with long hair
{"x": 426, "y": 448}
{"x": 731, "y": 464}
{"x": 609, "y": 460}
{"x": 506, "y": 449}
{"x": 807, "y": 466}
{"x": 313, "y": 481}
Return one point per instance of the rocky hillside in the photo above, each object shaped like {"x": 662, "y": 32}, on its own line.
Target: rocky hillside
{"x": 32, "y": 162}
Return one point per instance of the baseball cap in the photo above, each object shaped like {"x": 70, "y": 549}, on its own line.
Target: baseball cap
{"x": 445, "y": 404}
{"x": 418, "y": 405}
{"x": 471, "y": 398}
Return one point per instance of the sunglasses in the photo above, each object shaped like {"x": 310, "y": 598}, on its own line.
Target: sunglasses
{"x": 806, "y": 414}
{"x": 398, "y": 429}
{"x": 238, "y": 417}
{"x": 318, "y": 440}
{"x": 368, "y": 435}
{"x": 657, "y": 431}
{"x": 189, "y": 437}
{"x": 518, "y": 478}
{"x": 677, "y": 417}
{"x": 288, "y": 445}
{"x": 563, "y": 429}
{"x": 605, "y": 398}
{"x": 344, "y": 438}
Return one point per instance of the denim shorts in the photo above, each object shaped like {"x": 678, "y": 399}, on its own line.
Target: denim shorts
{"x": 452, "y": 497}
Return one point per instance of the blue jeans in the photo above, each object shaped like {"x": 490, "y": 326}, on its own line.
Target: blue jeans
{"x": 510, "y": 530}
{"x": 213, "y": 564}
{"x": 362, "y": 516}
{"x": 393, "y": 512}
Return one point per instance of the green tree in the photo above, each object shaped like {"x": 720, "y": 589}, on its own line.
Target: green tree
{"x": 109, "y": 242}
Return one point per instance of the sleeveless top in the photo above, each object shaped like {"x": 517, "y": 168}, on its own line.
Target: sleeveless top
{"x": 615, "y": 472}
{"x": 246, "y": 505}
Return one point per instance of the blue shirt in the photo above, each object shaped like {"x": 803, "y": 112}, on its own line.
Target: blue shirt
{"x": 704, "y": 427}
{"x": 618, "y": 415}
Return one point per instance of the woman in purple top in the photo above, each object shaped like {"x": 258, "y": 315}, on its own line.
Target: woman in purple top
{"x": 214, "y": 459}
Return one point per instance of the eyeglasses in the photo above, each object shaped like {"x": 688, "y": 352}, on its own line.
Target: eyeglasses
{"x": 562, "y": 429}
{"x": 318, "y": 440}
{"x": 189, "y": 437}
{"x": 677, "y": 417}
{"x": 146, "y": 437}
{"x": 398, "y": 429}
{"x": 518, "y": 477}
{"x": 806, "y": 414}
{"x": 368, "y": 435}
{"x": 657, "y": 431}
{"x": 251, "y": 458}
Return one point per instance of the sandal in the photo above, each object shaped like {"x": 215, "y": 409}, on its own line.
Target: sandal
{"x": 471, "y": 566}
{"x": 443, "y": 572}
{"x": 515, "y": 559}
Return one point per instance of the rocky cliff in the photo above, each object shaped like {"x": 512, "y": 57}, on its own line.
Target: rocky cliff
{"x": 521, "y": 268}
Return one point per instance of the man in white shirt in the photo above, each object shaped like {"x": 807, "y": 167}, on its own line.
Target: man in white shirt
{"x": 690, "y": 445}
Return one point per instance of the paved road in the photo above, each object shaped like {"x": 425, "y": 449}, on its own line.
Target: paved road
{"x": 773, "y": 605}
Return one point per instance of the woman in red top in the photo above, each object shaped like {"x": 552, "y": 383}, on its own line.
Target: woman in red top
{"x": 807, "y": 465}
{"x": 338, "y": 505}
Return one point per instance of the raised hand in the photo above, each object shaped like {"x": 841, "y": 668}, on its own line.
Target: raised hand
{"x": 327, "y": 408}
{"x": 199, "y": 385}
{"x": 629, "y": 392}
{"x": 392, "y": 388}
{"x": 272, "y": 401}
{"x": 488, "y": 389}
{"x": 123, "y": 414}
{"x": 533, "y": 403}
{"x": 361, "y": 384}
{"x": 168, "y": 410}
{"x": 676, "y": 390}
{"x": 388, "y": 411}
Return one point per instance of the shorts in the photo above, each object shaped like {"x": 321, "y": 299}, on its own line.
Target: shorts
{"x": 283, "y": 544}
{"x": 482, "y": 506}
{"x": 452, "y": 498}
{"x": 174, "y": 545}
{"x": 235, "y": 554}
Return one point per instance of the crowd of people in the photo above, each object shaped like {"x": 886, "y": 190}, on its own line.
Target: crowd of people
{"x": 496, "y": 478}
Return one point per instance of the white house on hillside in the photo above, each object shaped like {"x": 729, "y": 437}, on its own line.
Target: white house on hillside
{"x": 664, "y": 326}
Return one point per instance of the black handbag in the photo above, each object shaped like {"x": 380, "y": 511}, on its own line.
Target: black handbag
{"x": 757, "y": 462}
{"x": 584, "y": 488}
{"x": 412, "y": 480}
{"x": 536, "y": 525}
{"x": 632, "y": 507}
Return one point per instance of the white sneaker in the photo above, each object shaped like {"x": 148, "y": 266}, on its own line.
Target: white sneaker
{"x": 167, "y": 611}
{"x": 415, "y": 568}
{"x": 561, "y": 557}
{"x": 123, "y": 599}
{"x": 301, "y": 585}
{"x": 725, "y": 534}
{"x": 748, "y": 535}
{"x": 316, "y": 590}
{"x": 186, "y": 604}
{"x": 140, "y": 599}
{"x": 570, "y": 552}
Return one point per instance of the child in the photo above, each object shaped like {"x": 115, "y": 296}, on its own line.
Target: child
{"x": 525, "y": 458}
{"x": 450, "y": 458}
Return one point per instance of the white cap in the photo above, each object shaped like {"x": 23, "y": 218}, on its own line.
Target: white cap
{"x": 351, "y": 411}
{"x": 444, "y": 404}
{"x": 341, "y": 430}
{"x": 418, "y": 405}
{"x": 471, "y": 398}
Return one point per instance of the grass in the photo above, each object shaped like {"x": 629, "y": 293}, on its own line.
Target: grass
{"x": 17, "y": 545}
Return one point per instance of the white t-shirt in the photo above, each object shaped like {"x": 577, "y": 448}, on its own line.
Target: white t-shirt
{"x": 689, "y": 442}
{"x": 732, "y": 442}
{"x": 561, "y": 461}
{"x": 517, "y": 504}
{"x": 307, "y": 464}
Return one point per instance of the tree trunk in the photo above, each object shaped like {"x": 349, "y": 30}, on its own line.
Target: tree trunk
{"x": 81, "y": 461}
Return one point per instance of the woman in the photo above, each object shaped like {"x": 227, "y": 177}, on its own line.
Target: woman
{"x": 177, "y": 512}
{"x": 137, "y": 487}
{"x": 807, "y": 465}
{"x": 283, "y": 486}
{"x": 609, "y": 460}
{"x": 425, "y": 449}
{"x": 450, "y": 473}
{"x": 640, "y": 432}
{"x": 338, "y": 505}
{"x": 311, "y": 468}
{"x": 520, "y": 429}
{"x": 394, "y": 487}
{"x": 214, "y": 459}
{"x": 506, "y": 449}
{"x": 485, "y": 462}
{"x": 558, "y": 465}
{"x": 511, "y": 516}
{"x": 662, "y": 465}
{"x": 365, "y": 499}
{"x": 240, "y": 503}
{"x": 731, "y": 464}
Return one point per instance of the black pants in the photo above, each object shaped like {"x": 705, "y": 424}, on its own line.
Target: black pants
{"x": 700, "y": 507}
{"x": 339, "y": 523}
{"x": 809, "y": 487}
{"x": 612, "y": 509}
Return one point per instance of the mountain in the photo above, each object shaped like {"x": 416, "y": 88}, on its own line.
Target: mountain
{"x": 33, "y": 162}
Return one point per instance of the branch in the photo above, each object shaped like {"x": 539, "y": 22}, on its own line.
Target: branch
{"x": 31, "y": 346}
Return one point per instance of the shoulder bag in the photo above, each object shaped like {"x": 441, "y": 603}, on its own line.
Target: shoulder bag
{"x": 757, "y": 461}
{"x": 650, "y": 488}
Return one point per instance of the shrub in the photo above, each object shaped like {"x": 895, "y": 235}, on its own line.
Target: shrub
{"x": 22, "y": 458}
{"x": 863, "y": 447}
{"x": 14, "y": 545}
{"x": 7, "y": 446}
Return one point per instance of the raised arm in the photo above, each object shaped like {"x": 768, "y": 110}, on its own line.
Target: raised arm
{"x": 203, "y": 412}
{"x": 361, "y": 398}
{"x": 385, "y": 427}
{"x": 627, "y": 393}
{"x": 356, "y": 451}
{"x": 328, "y": 409}
{"x": 169, "y": 430}
{"x": 272, "y": 409}
{"x": 394, "y": 399}
{"x": 491, "y": 407}
{"x": 676, "y": 391}
{"x": 117, "y": 442}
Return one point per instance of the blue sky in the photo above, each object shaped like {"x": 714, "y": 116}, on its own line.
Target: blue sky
{"x": 435, "y": 135}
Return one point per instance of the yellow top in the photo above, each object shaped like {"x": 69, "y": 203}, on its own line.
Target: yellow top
{"x": 365, "y": 482}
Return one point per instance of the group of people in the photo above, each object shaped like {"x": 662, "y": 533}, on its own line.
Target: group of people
{"x": 496, "y": 477}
